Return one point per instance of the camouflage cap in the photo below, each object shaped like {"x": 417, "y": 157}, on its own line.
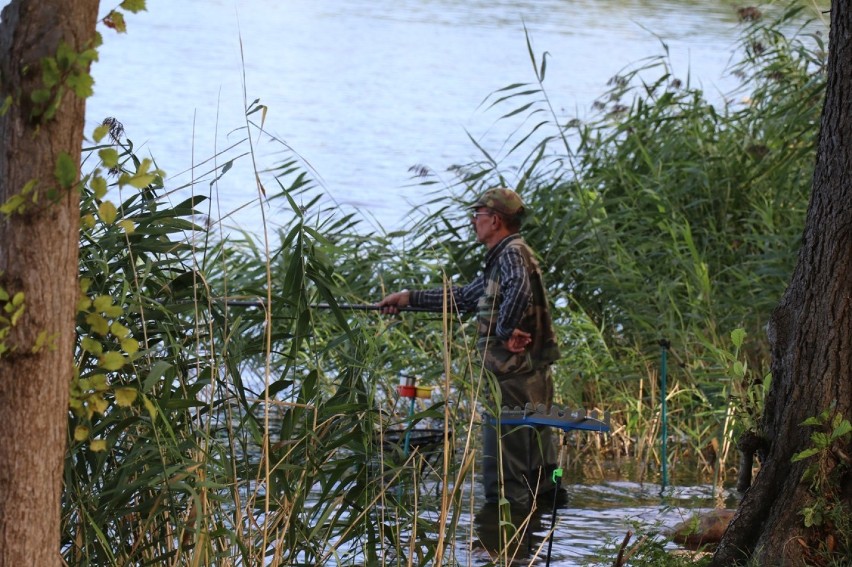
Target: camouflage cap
{"x": 502, "y": 200}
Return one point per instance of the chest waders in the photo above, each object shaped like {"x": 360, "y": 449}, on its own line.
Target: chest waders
{"x": 518, "y": 460}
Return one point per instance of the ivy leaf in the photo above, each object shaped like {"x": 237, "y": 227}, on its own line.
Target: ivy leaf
{"x": 112, "y": 360}
{"x": 125, "y": 397}
{"x": 115, "y": 20}
{"x": 66, "y": 170}
{"x": 134, "y": 6}
{"x": 82, "y": 84}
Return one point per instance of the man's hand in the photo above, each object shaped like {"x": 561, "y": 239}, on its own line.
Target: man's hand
{"x": 519, "y": 341}
{"x": 391, "y": 304}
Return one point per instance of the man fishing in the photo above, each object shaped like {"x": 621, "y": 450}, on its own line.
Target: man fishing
{"x": 516, "y": 343}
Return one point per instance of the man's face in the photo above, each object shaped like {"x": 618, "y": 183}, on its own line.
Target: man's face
{"x": 483, "y": 223}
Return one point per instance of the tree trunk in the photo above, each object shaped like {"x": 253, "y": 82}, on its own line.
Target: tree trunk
{"x": 811, "y": 337}
{"x": 38, "y": 257}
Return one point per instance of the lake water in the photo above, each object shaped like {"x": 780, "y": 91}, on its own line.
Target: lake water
{"x": 363, "y": 90}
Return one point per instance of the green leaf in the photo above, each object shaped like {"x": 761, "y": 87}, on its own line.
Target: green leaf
{"x": 842, "y": 429}
{"x": 737, "y": 337}
{"x": 157, "y": 370}
{"x": 66, "y": 170}
{"x": 821, "y": 440}
{"x": 805, "y": 454}
{"x": 40, "y": 96}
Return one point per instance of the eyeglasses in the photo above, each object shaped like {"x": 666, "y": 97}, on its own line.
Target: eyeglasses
{"x": 476, "y": 215}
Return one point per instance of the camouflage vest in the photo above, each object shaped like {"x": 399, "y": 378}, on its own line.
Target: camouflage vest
{"x": 543, "y": 350}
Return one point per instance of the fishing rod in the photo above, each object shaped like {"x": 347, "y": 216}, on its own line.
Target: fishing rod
{"x": 344, "y": 306}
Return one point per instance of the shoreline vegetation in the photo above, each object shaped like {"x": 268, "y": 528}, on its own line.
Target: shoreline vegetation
{"x": 208, "y": 434}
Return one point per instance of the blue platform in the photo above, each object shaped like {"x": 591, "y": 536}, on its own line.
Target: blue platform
{"x": 564, "y": 419}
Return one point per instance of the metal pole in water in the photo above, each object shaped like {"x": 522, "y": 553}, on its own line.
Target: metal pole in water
{"x": 664, "y": 427}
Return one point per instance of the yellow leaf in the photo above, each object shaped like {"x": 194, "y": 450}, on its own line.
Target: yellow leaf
{"x": 85, "y": 284}
{"x": 125, "y": 397}
{"x": 98, "y": 403}
{"x": 114, "y": 311}
{"x": 98, "y": 445}
{"x": 109, "y": 157}
{"x": 102, "y": 302}
{"x": 100, "y": 132}
{"x": 84, "y": 303}
{"x": 99, "y": 187}
{"x": 112, "y": 360}
{"x": 130, "y": 346}
{"x": 91, "y": 345}
{"x": 141, "y": 181}
{"x": 88, "y": 221}
{"x": 99, "y": 382}
{"x": 81, "y": 433}
{"x": 98, "y": 324}
{"x": 152, "y": 409}
{"x": 128, "y": 226}
{"x": 107, "y": 212}
{"x": 119, "y": 330}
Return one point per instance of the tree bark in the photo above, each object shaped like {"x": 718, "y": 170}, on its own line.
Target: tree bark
{"x": 811, "y": 336}
{"x": 39, "y": 257}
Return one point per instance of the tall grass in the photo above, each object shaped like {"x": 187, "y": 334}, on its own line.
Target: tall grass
{"x": 211, "y": 432}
